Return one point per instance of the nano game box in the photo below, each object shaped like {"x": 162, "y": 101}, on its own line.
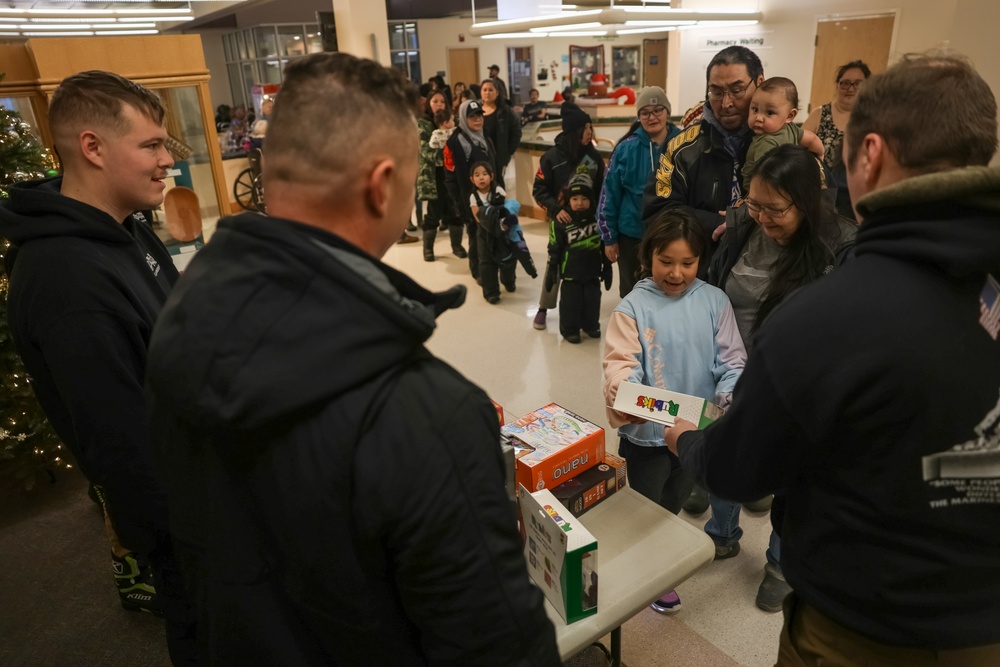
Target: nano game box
{"x": 552, "y": 445}
{"x": 561, "y": 554}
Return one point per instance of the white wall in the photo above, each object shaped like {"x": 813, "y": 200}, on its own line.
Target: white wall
{"x": 215, "y": 59}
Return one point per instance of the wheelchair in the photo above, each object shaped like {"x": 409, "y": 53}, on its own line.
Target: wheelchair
{"x": 248, "y": 189}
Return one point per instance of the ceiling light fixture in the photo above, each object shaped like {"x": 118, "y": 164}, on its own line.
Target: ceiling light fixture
{"x": 612, "y": 20}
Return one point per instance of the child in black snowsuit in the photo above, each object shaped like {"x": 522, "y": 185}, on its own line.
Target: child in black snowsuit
{"x": 499, "y": 237}
{"x": 576, "y": 254}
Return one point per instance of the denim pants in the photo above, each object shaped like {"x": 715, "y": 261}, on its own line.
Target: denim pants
{"x": 724, "y": 528}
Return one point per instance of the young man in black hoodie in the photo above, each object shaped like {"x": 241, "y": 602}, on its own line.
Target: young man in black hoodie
{"x": 88, "y": 277}
{"x": 871, "y": 395}
{"x": 337, "y": 490}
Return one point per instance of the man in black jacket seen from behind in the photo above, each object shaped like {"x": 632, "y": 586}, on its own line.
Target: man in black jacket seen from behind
{"x": 337, "y": 492}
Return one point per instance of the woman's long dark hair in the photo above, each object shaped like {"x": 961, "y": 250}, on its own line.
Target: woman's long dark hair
{"x": 795, "y": 173}
{"x": 574, "y": 146}
{"x": 429, "y": 115}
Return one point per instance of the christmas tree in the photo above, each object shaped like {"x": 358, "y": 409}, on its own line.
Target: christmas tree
{"x": 28, "y": 445}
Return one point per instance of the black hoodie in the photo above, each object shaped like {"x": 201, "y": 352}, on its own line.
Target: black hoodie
{"x": 872, "y": 397}
{"x": 85, "y": 291}
{"x": 337, "y": 491}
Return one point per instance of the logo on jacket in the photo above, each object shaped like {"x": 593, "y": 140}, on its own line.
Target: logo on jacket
{"x": 153, "y": 265}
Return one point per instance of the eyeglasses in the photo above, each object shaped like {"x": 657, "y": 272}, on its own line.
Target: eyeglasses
{"x": 655, "y": 111}
{"x": 736, "y": 93}
{"x": 846, "y": 85}
{"x": 769, "y": 210}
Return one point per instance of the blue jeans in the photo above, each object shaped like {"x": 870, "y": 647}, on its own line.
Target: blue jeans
{"x": 724, "y": 528}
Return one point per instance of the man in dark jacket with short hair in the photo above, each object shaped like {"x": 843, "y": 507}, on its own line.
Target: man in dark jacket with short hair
{"x": 337, "y": 491}
{"x": 872, "y": 395}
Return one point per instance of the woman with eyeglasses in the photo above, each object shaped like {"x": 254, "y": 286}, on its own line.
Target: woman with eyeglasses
{"x": 786, "y": 234}
{"x": 635, "y": 158}
{"x": 829, "y": 122}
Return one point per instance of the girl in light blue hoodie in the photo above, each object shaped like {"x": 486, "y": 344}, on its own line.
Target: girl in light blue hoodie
{"x": 675, "y": 332}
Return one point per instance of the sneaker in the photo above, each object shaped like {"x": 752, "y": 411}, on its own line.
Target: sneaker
{"x": 493, "y": 299}
{"x": 572, "y": 338}
{"x": 443, "y": 227}
{"x": 406, "y": 238}
{"x": 773, "y": 590}
{"x": 596, "y": 333}
{"x": 510, "y": 287}
{"x": 697, "y": 502}
{"x": 762, "y": 505}
{"x": 668, "y": 604}
{"x": 722, "y": 552}
{"x": 135, "y": 585}
{"x": 539, "y": 321}
{"x": 411, "y": 227}
{"x": 459, "y": 252}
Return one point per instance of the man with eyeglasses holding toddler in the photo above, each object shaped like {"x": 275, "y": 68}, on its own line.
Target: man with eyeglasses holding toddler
{"x": 700, "y": 168}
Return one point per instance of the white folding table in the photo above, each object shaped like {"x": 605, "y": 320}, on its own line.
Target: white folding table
{"x": 642, "y": 552}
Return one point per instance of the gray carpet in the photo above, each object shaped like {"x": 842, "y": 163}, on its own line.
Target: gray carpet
{"x": 59, "y": 603}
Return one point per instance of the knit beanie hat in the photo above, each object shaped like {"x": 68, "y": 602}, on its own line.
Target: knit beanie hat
{"x": 573, "y": 117}
{"x": 652, "y": 96}
{"x": 581, "y": 184}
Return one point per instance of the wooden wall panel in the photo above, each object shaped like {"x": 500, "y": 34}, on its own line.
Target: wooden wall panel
{"x": 140, "y": 58}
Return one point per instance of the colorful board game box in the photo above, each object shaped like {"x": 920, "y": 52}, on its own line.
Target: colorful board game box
{"x": 552, "y": 445}
{"x": 561, "y": 554}
{"x": 663, "y": 406}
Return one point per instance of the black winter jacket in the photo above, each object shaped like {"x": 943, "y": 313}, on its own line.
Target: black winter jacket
{"x": 695, "y": 172}
{"x": 872, "y": 397}
{"x": 508, "y": 137}
{"x": 555, "y": 171}
{"x": 85, "y": 290}
{"x": 337, "y": 492}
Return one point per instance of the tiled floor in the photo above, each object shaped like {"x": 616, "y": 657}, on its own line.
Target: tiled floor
{"x": 521, "y": 368}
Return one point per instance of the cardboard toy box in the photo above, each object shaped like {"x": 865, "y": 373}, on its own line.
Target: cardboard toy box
{"x": 496, "y": 406}
{"x": 663, "y": 406}
{"x": 592, "y": 485}
{"x": 561, "y": 554}
{"x": 552, "y": 445}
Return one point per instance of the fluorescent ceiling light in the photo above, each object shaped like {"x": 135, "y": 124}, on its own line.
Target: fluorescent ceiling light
{"x": 4, "y": 21}
{"x": 658, "y": 18}
{"x": 94, "y": 12}
{"x": 93, "y": 19}
{"x": 57, "y": 34}
{"x": 717, "y": 24}
{"x": 638, "y": 31}
{"x": 537, "y": 19}
{"x": 571, "y": 26}
{"x": 585, "y": 33}
{"x": 659, "y": 23}
{"x": 159, "y": 19}
{"x": 128, "y": 32}
{"x": 514, "y": 35}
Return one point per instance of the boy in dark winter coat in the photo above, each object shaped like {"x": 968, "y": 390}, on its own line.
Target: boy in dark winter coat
{"x": 573, "y": 153}
{"x": 576, "y": 256}
{"x": 500, "y": 237}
